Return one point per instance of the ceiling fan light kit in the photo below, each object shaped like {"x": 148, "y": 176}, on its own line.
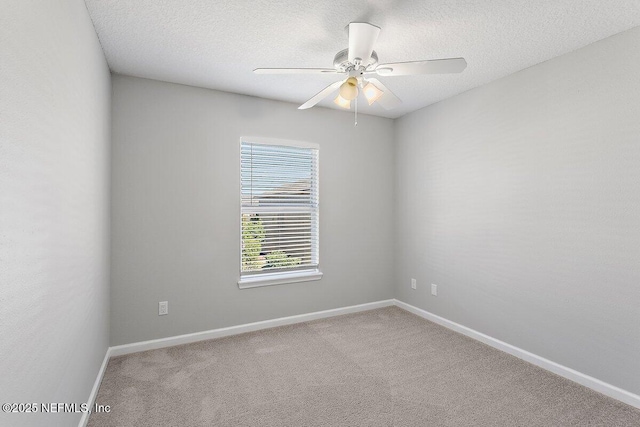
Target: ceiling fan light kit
{"x": 349, "y": 89}
{"x": 341, "y": 102}
{"x": 372, "y": 93}
{"x": 358, "y": 62}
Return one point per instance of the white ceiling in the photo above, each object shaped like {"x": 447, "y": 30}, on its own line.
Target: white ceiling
{"x": 217, "y": 44}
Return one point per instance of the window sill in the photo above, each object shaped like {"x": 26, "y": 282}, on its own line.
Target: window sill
{"x": 279, "y": 278}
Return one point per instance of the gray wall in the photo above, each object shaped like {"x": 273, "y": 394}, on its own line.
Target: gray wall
{"x": 176, "y": 209}
{"x": 54, "y": 153}
{"x": 521, "y": 201}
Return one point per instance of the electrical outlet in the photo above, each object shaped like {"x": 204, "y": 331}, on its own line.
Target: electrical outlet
{"x": 434, "y": 290}
{"x": 163, "y": 308}
{"x": 413, "y": 284}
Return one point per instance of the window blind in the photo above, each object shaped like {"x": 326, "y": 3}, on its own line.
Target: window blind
{"x": 279, "y": 193}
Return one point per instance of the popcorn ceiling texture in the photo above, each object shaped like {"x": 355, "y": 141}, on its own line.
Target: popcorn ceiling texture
{"x": 217, "y": 44}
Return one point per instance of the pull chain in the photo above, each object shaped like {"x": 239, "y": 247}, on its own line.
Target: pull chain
{"x": 356, "y": 118}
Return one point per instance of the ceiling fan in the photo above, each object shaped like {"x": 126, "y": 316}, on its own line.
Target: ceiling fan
{"x": 358, "y": 62}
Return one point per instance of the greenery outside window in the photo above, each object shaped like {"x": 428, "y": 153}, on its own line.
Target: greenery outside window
{"x": 279, "y": 212}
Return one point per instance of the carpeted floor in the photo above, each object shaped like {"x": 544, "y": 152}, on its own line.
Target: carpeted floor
{"x": 383, "y": 367}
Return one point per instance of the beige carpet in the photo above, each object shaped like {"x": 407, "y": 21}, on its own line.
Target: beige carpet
{"x": 383, "y": 367}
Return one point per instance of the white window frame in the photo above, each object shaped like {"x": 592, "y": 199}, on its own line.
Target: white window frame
{"x": 276, "y": 278}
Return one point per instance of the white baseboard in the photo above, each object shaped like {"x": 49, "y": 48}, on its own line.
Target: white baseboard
{"x": 96, "y": 386}
{"x": 571, "y": 374}
{"x": 568, "y": 373}
{"x": 120, "y": 350}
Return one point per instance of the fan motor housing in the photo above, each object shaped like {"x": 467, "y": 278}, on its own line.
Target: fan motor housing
{"x": 341, "y": 61}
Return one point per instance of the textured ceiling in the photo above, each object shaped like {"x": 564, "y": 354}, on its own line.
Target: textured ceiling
{"x": 217, "y": 44}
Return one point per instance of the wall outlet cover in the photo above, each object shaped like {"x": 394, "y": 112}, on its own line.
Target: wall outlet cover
{"x": 434, "y": 289}
{"x": 163, "y": 308}
{"x": 413, "y": 284}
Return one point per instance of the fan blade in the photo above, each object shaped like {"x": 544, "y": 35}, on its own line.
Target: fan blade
{"x": 362, "y": 37}
{"x": 435, "y": 66}
{"x": 388, "y": 100}
{"x": 295, "y": 71}
{"x": 321, "y": 95}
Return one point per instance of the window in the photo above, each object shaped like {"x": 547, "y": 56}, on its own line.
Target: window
{"x": 279, "y": 212}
